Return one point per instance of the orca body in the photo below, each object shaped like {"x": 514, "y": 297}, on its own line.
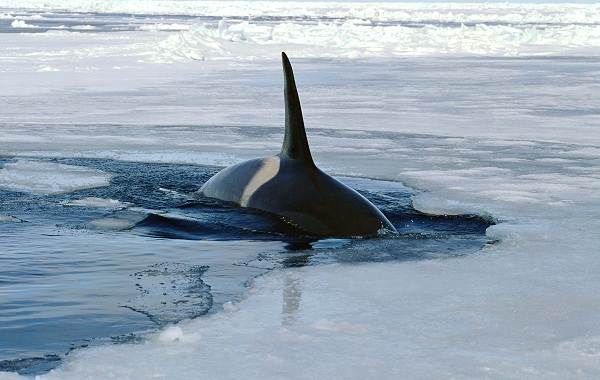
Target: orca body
{"x": 291, "y": 186}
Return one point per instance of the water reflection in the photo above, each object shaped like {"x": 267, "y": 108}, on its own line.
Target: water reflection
{"x": 292, "y": 296}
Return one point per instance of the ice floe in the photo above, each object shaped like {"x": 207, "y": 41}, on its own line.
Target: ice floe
{"x": 42, "y": 177}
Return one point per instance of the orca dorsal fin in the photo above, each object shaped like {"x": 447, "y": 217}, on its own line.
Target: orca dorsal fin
{"x": 295, "y": 144}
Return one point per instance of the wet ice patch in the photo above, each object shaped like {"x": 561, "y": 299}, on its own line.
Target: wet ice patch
{"x": 95, "y": 202}
{"x": 171, "y": 292}
{"x": 40, "y": 177}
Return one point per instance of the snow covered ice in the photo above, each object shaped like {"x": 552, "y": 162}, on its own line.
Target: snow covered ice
{"x": 483, "y": 108}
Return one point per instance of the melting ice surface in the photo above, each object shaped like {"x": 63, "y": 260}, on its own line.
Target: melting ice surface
{"x": 487, "y": 109}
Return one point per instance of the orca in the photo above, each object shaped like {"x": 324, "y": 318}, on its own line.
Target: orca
{"x": 290, "y": 185}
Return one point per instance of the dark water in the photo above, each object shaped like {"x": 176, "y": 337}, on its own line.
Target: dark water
{"x": 73, "y": 276}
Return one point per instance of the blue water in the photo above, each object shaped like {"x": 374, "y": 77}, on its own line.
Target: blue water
{"x": 77, "y": 276}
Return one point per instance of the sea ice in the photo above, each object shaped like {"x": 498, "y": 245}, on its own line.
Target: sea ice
{"x": 44, "y": 177}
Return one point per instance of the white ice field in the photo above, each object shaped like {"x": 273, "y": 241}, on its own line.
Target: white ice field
{"x": 485, "y": 108}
